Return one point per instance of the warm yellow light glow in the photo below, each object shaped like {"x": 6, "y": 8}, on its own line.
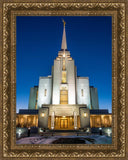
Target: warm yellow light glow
{"x": 63, "y": 76}
{"x": 42, "y": 114}
{"x": 75, "y": 127}
{"x": 63, "y": 96}
{"x": 63, "y": 116}
{"x": 63, "y": 63}
{"x": 85, "y": 114}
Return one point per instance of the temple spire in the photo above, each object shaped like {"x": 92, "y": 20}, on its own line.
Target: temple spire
{"x": 64, "y": 43}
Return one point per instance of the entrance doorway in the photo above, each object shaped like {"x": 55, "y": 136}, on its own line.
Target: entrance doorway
{"x": 64, "y": 123}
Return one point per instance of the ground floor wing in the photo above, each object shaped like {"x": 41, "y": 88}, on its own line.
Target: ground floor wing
{"x": 63, "y": 122}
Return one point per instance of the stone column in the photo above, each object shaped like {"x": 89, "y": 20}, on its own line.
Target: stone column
{"x": 75, "y": 120}
{"x": 52, "y": 120}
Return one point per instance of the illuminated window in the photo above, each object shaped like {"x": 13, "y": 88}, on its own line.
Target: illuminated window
{"x": 63, "y": 76}
{"x": 82, "y": 92}
{"x": 63, "y": 96}
{"x": 63, "y": 64}
{"x": 45, "y": 92}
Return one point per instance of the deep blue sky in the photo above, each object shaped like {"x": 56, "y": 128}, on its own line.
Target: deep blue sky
{"x": 38, "y": 40}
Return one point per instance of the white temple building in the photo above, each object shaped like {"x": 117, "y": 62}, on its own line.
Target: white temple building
{"x": 63, "y": 99}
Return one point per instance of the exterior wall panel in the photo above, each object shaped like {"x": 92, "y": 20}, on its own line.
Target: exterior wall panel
{"x": 43, "y": 121}
{"x": 84, "y": 121}
{"x": 71, "y": 82}
{"x": 94, "y": 98}
{"x": 45, "y": 83}
{"x": 32, "y": 98}
{"x": 56, "y": 82}
{"x": 83, "y": 84}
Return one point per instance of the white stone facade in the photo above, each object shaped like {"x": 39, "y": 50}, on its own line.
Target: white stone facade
{"x": 56, "y": 82}
{"x": 64, "y": 94}
{"x": 78, "y": 87}
{"x": 44, "y": 91}
{"x": 71, "y": 80}
{"x": 83, "y": 91}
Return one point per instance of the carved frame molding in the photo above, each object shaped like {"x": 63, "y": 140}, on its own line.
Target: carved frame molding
{"x": 8, "y": 88}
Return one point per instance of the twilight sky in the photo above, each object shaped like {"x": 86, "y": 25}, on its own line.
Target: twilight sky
{"x": 89, "y": 40}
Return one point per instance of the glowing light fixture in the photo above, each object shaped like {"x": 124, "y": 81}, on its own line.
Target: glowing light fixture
{"x": 42, "y": 114}
{"x": 88, "y": 130}
{"x": 85, "y": 114}
{"x": 63, "y": 116}
{"x": 109, "y": 132}
{"x": 19, "y": 132}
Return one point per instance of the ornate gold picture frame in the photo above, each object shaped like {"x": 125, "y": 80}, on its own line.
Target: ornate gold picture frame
{"x": 119, "y": 11}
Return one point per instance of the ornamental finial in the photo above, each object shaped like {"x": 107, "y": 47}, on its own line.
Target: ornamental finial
{"x": 63, "y": 22}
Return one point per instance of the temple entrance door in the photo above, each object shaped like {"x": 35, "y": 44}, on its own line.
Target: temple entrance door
{"x": 64, "y": 124}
